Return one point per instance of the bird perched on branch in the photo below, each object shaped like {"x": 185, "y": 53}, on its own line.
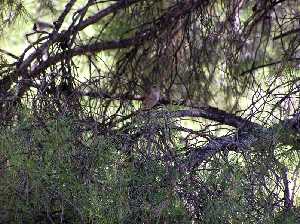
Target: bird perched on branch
{"x": 42, "y": 26}
{"x": 151, "y": 97}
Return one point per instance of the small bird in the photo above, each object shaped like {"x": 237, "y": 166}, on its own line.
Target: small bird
{"x": 151, "y": 98}
{"x": 42, "y": 26}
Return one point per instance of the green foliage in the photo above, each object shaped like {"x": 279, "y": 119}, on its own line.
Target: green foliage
{"x": 117, "y": 28}
{"x": 152, "y": 199}
{"x": 48, "y": 174}
{"x": 291, "y": 217}
{"x": 10, "y": 13}
{"x": 51, "y": 171}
